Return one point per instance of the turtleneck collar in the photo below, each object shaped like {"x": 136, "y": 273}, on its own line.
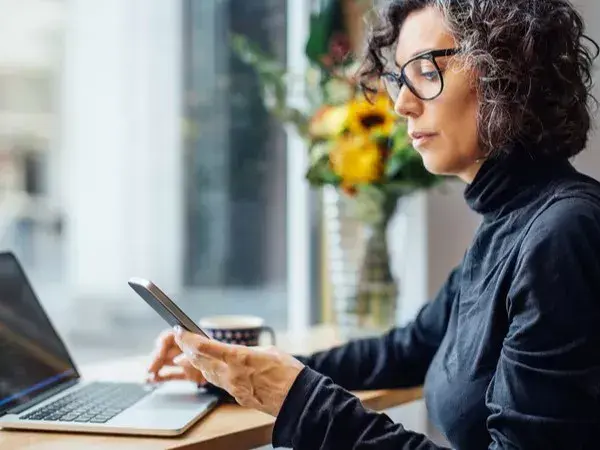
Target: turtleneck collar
{"x": 506, "y": 182}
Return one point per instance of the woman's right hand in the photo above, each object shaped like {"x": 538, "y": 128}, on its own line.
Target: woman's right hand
{"x": 167, "y": 355}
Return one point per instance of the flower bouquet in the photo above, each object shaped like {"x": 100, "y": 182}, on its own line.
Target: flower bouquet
{"x": 359, "y": 149}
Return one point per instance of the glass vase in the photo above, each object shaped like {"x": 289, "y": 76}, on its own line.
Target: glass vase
{"x": 364, "y": 289}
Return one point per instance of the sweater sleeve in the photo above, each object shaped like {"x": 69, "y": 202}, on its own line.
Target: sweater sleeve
{"x": 546, "y": 388}
{"x": 399, "y": 358}
{"x": 318, "y": 414}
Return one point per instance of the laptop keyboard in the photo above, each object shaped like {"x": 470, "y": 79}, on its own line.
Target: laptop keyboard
{"x": 94, "y": 403}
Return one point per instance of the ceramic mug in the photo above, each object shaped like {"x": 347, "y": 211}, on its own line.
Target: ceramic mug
{"x": 241, "y": 330}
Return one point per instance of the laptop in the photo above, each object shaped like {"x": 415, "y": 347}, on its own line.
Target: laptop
{"x": 41, "y": 388}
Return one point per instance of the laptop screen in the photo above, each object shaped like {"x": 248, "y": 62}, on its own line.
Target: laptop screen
{"x": 33, "y": 358}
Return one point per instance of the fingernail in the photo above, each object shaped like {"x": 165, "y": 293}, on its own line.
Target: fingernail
{"x": 179, "y": 359}
{"x": 177, "y": 329}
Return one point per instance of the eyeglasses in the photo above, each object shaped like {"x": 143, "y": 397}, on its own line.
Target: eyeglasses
{"x": 421, "y": 75}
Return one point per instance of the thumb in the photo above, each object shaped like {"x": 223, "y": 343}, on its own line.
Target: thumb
{"x": 196, "y": 344}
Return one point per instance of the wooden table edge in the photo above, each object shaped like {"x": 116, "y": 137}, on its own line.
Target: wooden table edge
{"x": 376, "y": 400}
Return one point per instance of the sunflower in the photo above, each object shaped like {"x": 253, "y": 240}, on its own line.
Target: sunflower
{"x": 368, "y": 118}
{"x": 356, "y": 160}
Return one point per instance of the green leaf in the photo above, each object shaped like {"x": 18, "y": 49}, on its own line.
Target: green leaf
{"x": 273, "y": 79}
{"x": 323, "y": 25}
{"x": 400, "y": 140}
{"x": 329, "y": 177}
{"x": 319, "y": 151}
{"x": 321, "y": 173}
{"x": 394, "y": 164}
{"x": 398, "y": 188}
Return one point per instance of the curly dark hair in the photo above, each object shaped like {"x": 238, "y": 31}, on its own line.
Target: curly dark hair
{"x": 534, "y": 64}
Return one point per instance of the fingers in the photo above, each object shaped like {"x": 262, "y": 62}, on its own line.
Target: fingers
{"x": 201, "y": 369}
{"x": 211, "y": 370}
{"x": 164, "y": 343}
{"x": 190, "y": 372}
{"x": 179, "y": 375}
{"x": 182, "y": 369}
{"x": 191, "y": 343}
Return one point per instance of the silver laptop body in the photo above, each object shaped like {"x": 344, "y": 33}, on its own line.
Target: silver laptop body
{"x": 41, "y": 389}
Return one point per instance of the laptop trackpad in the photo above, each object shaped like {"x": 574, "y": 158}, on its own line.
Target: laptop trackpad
{"x": 171, "y": 406}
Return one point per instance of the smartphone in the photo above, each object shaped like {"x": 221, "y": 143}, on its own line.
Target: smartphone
{"x": 163, "y": 305}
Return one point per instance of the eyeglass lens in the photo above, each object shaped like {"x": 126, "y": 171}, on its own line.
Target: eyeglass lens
{"x": 422, "y": 77}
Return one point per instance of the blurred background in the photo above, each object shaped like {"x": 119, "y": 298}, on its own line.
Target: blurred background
{"x": 134, "y": 142}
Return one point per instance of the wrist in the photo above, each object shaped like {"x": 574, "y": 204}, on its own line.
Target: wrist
{"x": 293, "y": 371}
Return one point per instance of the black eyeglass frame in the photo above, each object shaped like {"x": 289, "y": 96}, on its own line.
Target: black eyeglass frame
{"x": 431, "y": 55}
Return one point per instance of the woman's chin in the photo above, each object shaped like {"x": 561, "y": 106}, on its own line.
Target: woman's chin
{"x": 433, "y": 164}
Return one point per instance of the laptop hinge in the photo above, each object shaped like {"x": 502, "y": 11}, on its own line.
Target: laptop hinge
{"x": 41, "y": 397}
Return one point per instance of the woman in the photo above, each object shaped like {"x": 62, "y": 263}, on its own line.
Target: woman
{"x": 496, "y": 93}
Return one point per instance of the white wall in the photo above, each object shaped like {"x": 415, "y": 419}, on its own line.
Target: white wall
{"x": 589, "y": 160}
{"x": 450, "y": 228}
{"x": 408, "y": 252}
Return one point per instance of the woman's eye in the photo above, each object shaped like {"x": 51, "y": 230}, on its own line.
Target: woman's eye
{"x": 430, "y": 75}
{"x": 425, "y": 70}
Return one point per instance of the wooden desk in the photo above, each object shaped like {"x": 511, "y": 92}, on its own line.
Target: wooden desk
{"x": 228, "y": 427}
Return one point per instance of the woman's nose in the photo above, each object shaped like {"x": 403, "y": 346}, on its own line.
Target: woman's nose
{"x": 407, "y": 104}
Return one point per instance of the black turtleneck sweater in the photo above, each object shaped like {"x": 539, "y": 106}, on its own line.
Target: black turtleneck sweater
{"x": 508, "y": 351}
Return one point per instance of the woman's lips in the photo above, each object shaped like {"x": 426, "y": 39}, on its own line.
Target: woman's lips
{"x": 419, "y": 138}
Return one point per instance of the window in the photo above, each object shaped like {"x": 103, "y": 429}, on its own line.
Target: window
{"x": 160, "y": 162}
{"x": 235, "y": 163}
{"x": 235, "y": 152}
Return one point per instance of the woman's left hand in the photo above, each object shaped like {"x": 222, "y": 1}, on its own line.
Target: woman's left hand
{"x": 257, "y": 377}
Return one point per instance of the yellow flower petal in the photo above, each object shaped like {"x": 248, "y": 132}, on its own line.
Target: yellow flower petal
{"x": 356, "y": 161}
{"x": 365, "y": 118}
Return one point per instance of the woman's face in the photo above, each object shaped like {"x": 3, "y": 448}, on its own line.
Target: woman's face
{"x": 444, "y": 129}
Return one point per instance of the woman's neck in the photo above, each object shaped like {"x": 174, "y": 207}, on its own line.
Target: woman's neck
{"x": 468, "y": 175}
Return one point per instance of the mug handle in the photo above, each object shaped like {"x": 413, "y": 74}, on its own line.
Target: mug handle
{"x": 271, "y": 333}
